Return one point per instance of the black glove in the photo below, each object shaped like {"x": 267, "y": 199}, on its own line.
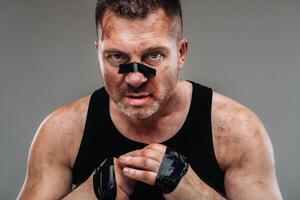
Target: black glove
{"x": 173, "y": 167}
{"x": 104, "y": 180}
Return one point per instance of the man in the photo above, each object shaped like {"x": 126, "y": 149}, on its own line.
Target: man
{"x": 157, "y": 136}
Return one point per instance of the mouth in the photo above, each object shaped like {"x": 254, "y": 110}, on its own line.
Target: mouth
{"x": 138, "y": 95}
{"x": 137, "y": 99}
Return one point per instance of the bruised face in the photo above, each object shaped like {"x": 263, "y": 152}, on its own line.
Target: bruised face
{"x": 149, "y": 41}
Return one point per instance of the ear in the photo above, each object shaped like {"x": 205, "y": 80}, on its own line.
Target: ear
{"x": 183, "y": 51}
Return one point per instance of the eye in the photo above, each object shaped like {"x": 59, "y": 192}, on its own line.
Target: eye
{"x": 116, "y": 58}
{"x": 155, "y": 56}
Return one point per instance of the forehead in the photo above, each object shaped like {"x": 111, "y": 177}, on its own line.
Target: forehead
{"x": 153, "y": 29}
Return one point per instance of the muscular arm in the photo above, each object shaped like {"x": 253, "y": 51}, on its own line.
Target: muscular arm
{"x": 252, "y": 176}
{"x": 244, "y": 151}
{"x": 52, "y": 155}
{"x": 48, "y": 174}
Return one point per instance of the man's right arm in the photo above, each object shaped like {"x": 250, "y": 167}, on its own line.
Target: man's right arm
{"x": 52, "y": 155}
{"x": 48, "y": 175}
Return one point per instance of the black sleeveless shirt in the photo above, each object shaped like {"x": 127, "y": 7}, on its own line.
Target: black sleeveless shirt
{"x": 101, "y": 139}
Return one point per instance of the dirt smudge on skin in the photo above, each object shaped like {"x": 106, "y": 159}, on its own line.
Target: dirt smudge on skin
{"x": 233, "y": 126}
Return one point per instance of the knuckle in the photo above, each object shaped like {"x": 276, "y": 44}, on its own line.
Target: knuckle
{"x": 145, "y": 162}
{"x": 153, "y": 146}
{"x": 147, "y": 152}
{"x": 147, "y": 176}
{"x": 157, "y": 147}
{"x": 143, "y": 153}
{"x": 133, "y": 173}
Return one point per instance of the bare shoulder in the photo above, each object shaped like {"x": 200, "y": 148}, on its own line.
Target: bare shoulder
{"x": 53, "y": 152}
{"x": 63, "y": 129}
{"x": 236, "y": 130}
{"x": 243, "y": 150}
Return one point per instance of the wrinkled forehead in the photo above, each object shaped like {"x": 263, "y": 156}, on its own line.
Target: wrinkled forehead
{"x": 155, "y": 25}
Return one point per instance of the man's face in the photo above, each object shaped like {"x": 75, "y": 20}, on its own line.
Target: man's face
{"x": 147, "y": 41}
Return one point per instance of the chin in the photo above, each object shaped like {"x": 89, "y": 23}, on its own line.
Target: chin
{"x": 139, "y": 113}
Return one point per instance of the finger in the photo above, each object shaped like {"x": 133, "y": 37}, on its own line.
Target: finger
{"x": 157, "y": 147}
{"x": 141, "y": 163}
{"x": 123, "y": 182}
{"x": 140, "y": 175}
{"x": 149, "y": 153}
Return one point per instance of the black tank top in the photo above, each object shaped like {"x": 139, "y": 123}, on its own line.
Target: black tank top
{"x": 101, "y": 139}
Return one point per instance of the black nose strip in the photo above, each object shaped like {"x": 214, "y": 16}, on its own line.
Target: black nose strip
{"x": 137, "y": 67}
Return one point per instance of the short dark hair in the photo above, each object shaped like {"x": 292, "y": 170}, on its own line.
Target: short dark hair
{"x": 140, "y": 9}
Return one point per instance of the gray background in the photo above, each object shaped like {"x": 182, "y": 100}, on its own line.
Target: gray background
{"x": 246, "y": 49}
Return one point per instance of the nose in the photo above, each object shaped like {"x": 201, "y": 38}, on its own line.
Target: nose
{"x": 135, "y": 79}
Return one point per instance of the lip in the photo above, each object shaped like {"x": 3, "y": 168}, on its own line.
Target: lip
{"x": 137, "y": 99}
{"x": 138, "y": 95}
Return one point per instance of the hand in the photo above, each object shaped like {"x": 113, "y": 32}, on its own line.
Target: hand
{"x": 125, "y": 185}
{"x": 143, "y": 165}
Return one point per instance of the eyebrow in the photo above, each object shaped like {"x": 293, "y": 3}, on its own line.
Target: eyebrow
{"x": 153, "y": 48}
{"x": 112, "y": 50}
{"x": 157, "y": 48}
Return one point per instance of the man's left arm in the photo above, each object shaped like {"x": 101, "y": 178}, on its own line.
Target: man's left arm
{"x": 252, "y": 175}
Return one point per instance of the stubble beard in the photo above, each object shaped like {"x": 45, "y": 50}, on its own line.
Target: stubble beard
{"x": 139, "y": 113}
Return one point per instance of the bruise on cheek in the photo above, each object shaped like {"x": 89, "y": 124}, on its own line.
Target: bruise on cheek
{"x": 167, "y": 72}
{"x": 166, "y": 67}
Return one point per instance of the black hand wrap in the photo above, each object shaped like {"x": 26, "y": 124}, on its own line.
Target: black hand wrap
{"x": 173, "y": 167}
{"x": 104, "y": 181}
{"x": 137, "y": 67}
